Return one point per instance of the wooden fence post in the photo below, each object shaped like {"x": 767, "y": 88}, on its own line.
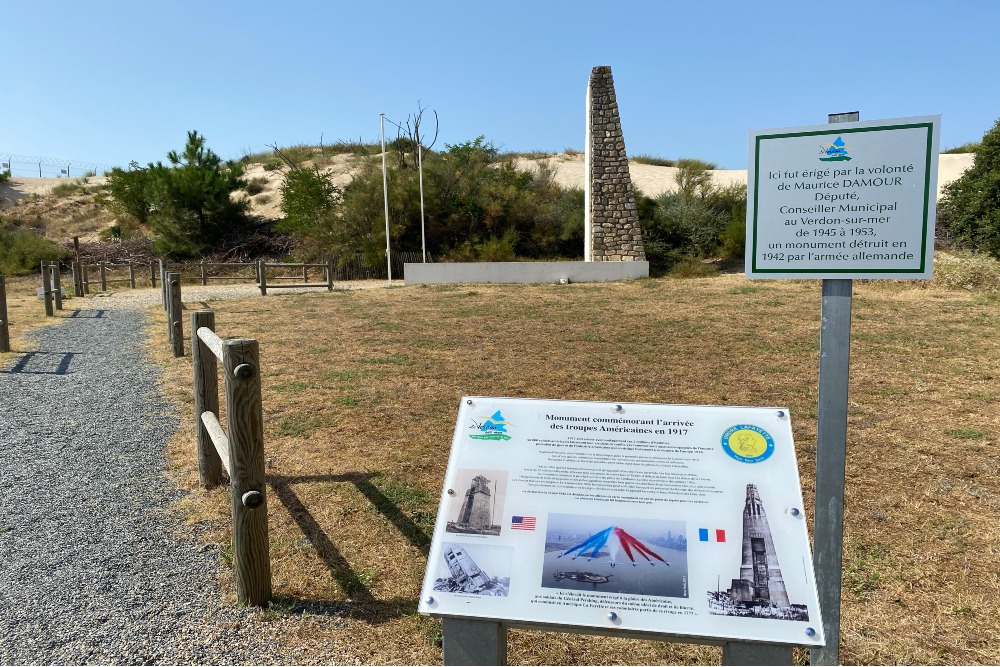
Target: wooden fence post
{"x": 152, "y": 275}
{"x": 329, "y": 274}
{"x": 56, "y": 283}
{"x": 131, "y": 274}
{"x": 163, "y": 284}
{"x": 46, "y": 291}
{"x": 206, "y": 398}
{"x": 4, "y": 324}
{"x": 262, "y": 277}
{"x": 104, "y": 277}
{"x": 174, "y": 314}
{"x": 204, "y": 278}
{"x": 73, "y": 266}
{"x": 86, "y": 277}
{"x": 241, "y": 365}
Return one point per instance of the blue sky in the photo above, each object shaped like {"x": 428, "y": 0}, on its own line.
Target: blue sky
{"x": 111, "y": 82}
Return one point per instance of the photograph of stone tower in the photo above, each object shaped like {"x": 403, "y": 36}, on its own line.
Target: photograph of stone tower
{"x": 760, "y": 589}
{"x": 477, "y": 506}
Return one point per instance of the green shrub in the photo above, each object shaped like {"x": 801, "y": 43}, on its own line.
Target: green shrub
{"x": 272, "y": 165}
{"x": 691, "y": 267}
{"x": 21, "y": 250}
{"x": 500, "y": 249}
{"x": 653, "y": 160}
{"x": 67, "y": 190}
{"x": 971, "y": 203}
{"x": 5, "y": 176}
{"x": 970, "y": 147}
{"x": 256, "y": 185}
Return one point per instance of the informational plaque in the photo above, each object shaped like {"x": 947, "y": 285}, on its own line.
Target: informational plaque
{"x": 664, "y": 519}
{"x": 845, "y": 200}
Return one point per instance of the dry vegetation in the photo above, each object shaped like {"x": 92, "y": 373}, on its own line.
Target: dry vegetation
{"x": 361, "y": 390}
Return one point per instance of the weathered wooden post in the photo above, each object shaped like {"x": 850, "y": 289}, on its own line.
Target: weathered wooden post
{"x": 77, "y": 272}
{"x": 163, "y": 284}
{"x": 241, "y": 365}
{"x": 204, "y": 278}
{"x": 86, "y": 278}
{"x": 104, "y": 277}
{"x": 174, "y": 314}
{"x": 305, "y": 273}
{"x": 206, "y": 398}
{"x": 262, "y": 277}
{"x": 56, "y": 283}
{"x": 131, "y": 274}
{"x": 46, "y": 289}
{"x": 4, "y": 324}
{"x": 152, "y": 274}
{"x": 329, "y": 274}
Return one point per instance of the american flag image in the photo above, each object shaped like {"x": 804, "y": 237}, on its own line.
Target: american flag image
{"x": 522, "y": 522}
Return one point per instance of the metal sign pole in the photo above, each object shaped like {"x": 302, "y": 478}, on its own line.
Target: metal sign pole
{"x": 831, "y": 451}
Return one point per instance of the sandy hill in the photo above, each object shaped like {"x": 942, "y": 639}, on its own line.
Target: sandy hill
{"x": 52, "y": 205}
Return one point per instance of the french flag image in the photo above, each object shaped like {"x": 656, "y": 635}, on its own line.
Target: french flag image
{"x": 716, "y": 535}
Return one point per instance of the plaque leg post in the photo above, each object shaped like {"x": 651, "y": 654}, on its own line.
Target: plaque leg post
{"x": 745, "y": 653}
{"x": 473, "y": 642}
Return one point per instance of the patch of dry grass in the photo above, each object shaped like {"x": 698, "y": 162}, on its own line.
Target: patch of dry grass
{"x": 26, "y": 312}
{"x": 361, "y": 390}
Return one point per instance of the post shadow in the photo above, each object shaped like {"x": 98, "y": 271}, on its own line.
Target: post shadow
{"x": 362, "y": 603}
{"x": 61, "y": 368}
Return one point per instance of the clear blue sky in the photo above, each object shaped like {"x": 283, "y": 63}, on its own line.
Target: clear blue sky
{"x": 110, "y": 82}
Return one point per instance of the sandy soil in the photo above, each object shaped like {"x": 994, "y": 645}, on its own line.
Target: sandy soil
{"x": 654, "y": 180}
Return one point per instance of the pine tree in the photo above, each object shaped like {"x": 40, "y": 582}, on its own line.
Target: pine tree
{"x": 971, "y": 203}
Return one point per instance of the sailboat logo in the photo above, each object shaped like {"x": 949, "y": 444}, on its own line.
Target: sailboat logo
{"x": 835, "y": 152}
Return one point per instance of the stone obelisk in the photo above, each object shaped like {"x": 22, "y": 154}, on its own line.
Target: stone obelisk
{"x": 611, "y": 222}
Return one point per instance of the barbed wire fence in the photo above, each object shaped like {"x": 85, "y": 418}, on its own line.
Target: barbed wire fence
{"x": 34, "y": 166}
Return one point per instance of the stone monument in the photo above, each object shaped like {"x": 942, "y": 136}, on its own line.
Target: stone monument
{"x": 611, "y": 222}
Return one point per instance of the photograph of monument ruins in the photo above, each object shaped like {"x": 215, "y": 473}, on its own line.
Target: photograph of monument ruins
{"x": 479, "y": 500}
{"x": 760, "y": 589}
{"x": 465, "y": 575}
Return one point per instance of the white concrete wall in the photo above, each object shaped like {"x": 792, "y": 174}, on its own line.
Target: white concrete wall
{"x": 522, "y": 272}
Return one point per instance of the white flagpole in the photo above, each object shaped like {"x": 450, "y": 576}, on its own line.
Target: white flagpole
{"x": 385, "y": 195}
{"x": 420, "y": 169}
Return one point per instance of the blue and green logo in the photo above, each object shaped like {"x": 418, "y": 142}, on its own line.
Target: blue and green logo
{"x": 748, "y": 443}
{"x": 835, "y": 152}
{"x": 490, "y": 428}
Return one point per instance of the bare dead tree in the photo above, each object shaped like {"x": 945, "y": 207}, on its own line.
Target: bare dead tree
{"x": 408, "y": 142}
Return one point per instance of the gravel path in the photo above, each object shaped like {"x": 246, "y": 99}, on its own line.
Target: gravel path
{"x": 92, "y": 569}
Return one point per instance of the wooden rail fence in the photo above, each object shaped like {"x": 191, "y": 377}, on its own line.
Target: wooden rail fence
{"x": 82, "y": 281}
{"x": 205, "y": 266}
{"x": 239, "y": 448}
{"x": 4, "y": 324}
{"x": 263, "y": 284}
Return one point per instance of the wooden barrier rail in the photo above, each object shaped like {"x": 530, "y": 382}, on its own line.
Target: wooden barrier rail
{"x": 262, "y": 280}
{"x": 81, "y": 275}
{"x": 4, "y": 324}
{"x": 239, "y": 449}
{"x": 206, "y": 265}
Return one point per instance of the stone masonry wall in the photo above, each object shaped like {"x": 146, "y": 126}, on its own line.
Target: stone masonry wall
{"x": 616, "y": 235}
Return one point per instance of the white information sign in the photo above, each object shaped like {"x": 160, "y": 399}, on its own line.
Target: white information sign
{"x": 666, "y": 519}
{"x": 844, "y": 200}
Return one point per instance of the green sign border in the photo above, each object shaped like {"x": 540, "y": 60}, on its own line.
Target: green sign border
{"x": 835, "y": 130}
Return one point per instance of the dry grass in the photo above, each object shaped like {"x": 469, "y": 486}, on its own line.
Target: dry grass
{"x": 25, "y": 312}
{"x": 361, "y": 390}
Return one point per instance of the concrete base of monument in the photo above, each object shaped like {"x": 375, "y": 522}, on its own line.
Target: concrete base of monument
{"x": 522, "y": 272}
